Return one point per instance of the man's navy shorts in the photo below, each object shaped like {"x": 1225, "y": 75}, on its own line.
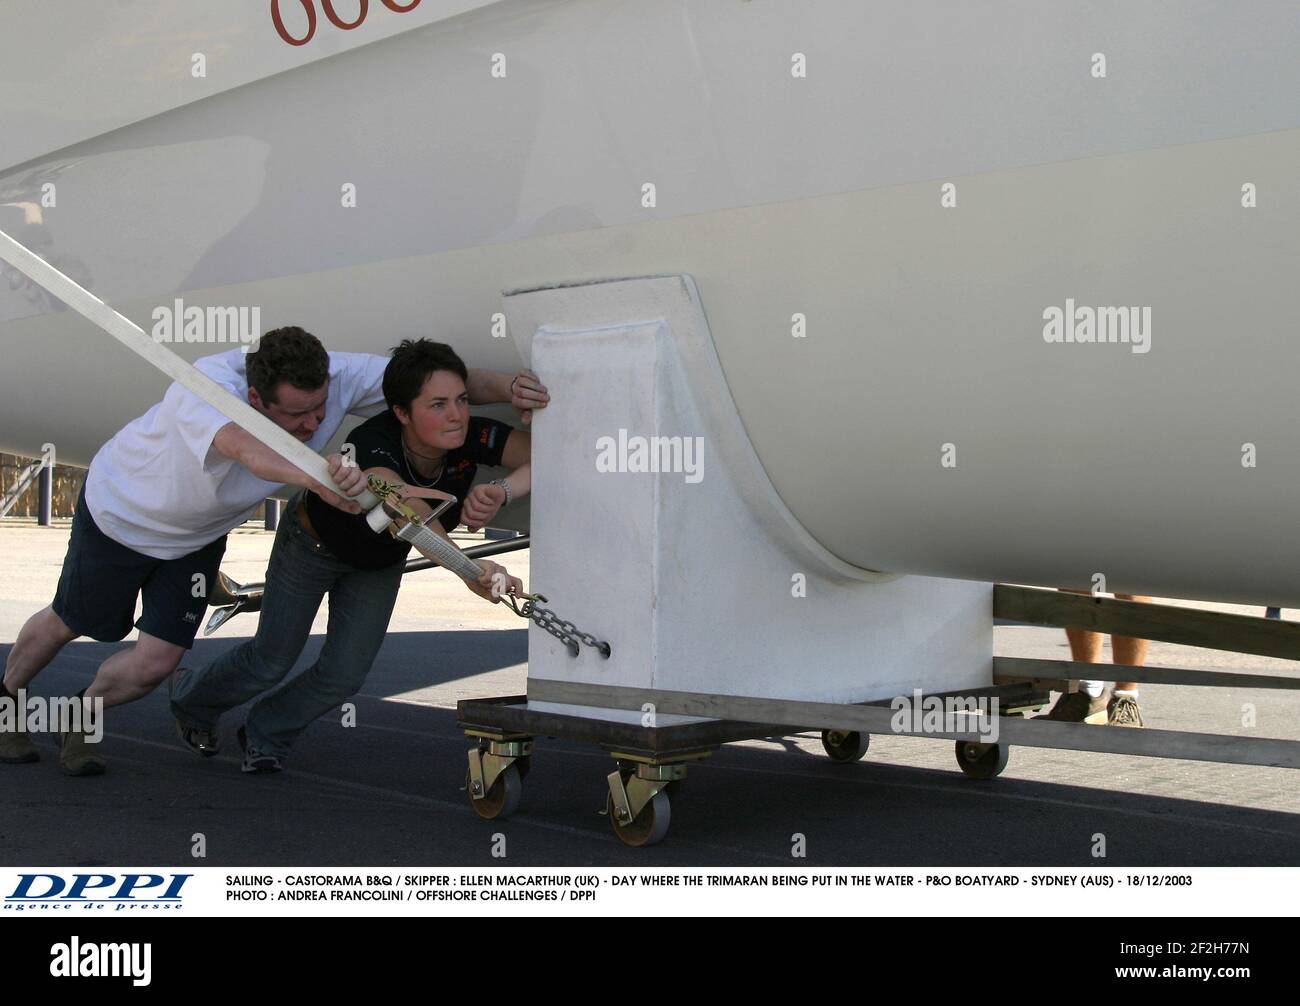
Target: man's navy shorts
{"x": 102, "y": 578}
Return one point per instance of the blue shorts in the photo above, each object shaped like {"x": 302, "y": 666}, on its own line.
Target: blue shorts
{"x": 102, "y": 578}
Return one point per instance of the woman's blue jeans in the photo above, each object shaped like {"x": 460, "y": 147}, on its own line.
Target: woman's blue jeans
{"x": 301, "y": 572}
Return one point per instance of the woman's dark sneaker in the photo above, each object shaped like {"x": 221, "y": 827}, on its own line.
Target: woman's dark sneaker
{"x": 255, "y": 760}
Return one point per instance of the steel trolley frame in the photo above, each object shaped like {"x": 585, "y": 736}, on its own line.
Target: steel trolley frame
{"x": 651, "y": 761}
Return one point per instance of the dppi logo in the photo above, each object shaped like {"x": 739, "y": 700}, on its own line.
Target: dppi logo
{"x": 328, "y": 7}
{"x": 126, "y": 891}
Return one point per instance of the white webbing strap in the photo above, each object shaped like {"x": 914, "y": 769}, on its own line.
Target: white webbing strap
{"x": 133, "y": 337}
{"x": 433, "y": 546}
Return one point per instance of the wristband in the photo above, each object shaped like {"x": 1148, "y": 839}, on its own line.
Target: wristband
{"x": 506, "y": 486}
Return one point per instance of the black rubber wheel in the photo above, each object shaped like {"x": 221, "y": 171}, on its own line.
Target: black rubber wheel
{"x": 845, "y": 745}
{"x": 982, "y": 761}
{"x": 502, "y": 798}
{"x": 648, "y": 827}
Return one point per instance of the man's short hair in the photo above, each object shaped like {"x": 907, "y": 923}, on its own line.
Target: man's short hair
{"x": 287, "y": 354}
{"x": 412, "y": 363}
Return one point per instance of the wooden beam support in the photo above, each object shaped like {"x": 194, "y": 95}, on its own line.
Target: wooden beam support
{"x": 1022, "y": 670}
{"x": 1166, "y": 623}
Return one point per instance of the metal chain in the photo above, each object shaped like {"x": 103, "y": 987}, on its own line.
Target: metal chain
{"x": 546, "y": 619}
{"x": 566, "y": 632}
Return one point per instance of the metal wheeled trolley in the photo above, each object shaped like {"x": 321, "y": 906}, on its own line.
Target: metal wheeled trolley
{"x": 651, "y": 761}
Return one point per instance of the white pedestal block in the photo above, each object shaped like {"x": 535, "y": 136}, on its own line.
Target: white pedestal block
{"x": 699, "y": 578}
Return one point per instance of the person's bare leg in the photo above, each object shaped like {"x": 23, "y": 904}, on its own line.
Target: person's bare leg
{"x": 1123, "y": 710}
{"x": 39, "y": 641}
{"x": 1130, "y": 651}
{"x": 1085, "y": 645}
{"x": 133, "y": 673}
{"x": 127, "y": 675}
{"x": 1086, "y": 703}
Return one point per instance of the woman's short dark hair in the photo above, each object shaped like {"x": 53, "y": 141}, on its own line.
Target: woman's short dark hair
{"x": 412, "y": 363}
{"x": 287, "y": 354}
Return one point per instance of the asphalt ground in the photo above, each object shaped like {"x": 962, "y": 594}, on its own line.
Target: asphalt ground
{"x": 390, "y": 790}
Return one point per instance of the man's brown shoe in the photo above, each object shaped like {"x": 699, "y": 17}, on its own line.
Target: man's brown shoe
{"x": 1123, "y": 711}
{"x": 16, "y": 748}
{"x": 76, "y": 756}
{"x": 1078, "y": 707}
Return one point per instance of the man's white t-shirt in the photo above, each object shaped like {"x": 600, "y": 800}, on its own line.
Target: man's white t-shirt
{"x": 160, "y": 488}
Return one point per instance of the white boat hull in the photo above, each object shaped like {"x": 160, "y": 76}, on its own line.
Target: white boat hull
{"x": 924, "y": 342}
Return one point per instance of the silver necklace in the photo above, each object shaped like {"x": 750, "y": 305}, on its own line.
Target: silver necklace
{"x": 415, "y": 473}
